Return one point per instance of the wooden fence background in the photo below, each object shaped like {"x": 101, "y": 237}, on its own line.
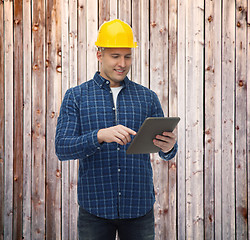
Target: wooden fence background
{"x": 195, "y": 54}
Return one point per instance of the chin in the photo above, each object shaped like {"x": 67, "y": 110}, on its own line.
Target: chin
{"x": 119, "y": 78}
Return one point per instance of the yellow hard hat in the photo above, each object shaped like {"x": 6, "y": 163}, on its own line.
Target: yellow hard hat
{"x": 115, "y": 34}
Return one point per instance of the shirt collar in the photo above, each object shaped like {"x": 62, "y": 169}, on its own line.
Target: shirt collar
{"x": 104, "y": 83}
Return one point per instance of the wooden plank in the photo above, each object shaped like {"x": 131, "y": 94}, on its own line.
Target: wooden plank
{"x": 170, "y": 224}
{"x": 65, "y": 45}
{"x": 172, "y": 23}
{"x": 159, "y": 84}
{"x": 159, "y": 51}
{"x": 143, "y": 43}
{"x": 27, "y": 117}
{"x": 248, "y": 119}
{"x": 2, "y": 125}
{"x": 124, "y": 13}
{"x": 82, "y": 40}
{"x": 104, "y": 15}
{"x": 53, "y": 166}
{"x": 9, "y": 128}
{"x": 65, "y": 86}
{"x": 240, "y": 121}
{"x": 217, "y": 131}
{"x": 136, "y": 25}
{"x": 73, "y": 43}
{"x": 248, "y": 12}
{"x": 212, "y": 163}
{"x": 113, "y": 9}
{"x": 181, "y": 163}
{"x": 38, "y": 119}
{"x": 18, "y": 116}
{"x": 104, "y": 11}
{"x": 73, "y": 167}
{"x": 140, "y": 23}
{"x": 228, "y": 104}
{"x": 124, "y": 10}
{"x": 194, "y": 119}
{"x": 92, "y": 27}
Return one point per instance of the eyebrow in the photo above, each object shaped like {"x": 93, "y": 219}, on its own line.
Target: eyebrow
{"x": 117, "y": 54}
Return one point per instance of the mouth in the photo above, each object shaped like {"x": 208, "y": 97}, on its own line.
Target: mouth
{"x": 119, "y": 71}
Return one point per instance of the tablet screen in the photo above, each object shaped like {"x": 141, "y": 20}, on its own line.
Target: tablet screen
{"x": 152, "y": 126}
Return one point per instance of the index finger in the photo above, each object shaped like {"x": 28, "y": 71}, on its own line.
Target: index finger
{"x": 128, "y": 130}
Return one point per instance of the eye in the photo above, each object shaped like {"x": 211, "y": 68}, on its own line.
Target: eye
{"x": 114, "y": 56}
{"x": 128, "y": 56}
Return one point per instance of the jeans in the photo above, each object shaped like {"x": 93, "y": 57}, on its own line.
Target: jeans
{"x": 91, "y": 227}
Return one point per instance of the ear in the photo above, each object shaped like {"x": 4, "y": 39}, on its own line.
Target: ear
{"x": 99, "y": 56}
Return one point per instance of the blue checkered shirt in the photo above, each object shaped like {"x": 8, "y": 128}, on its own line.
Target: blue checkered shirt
{"x": 111, "y": 184}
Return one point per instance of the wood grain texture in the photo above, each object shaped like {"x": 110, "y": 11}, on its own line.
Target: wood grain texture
{"x": 73, "y": 166}
{"x": 181, "y": 88}
{"x": 248, "y": 119}
{"x": 8, "y": 120}
{"x": 159, "y": 83}
{"x": 65, "y": 85}
{"x": 27, "y": 121}
{"x": 82, "y": 42}
{"x": 248, "y": 13}
{"x": 193, "y": 54}
{"x": 2, "y": 125}
{"x": 170, "y": 224}
{"x": 18, "y": 116}
{"x": 194, "y": 119}
{"x": 228, "y": 120}
{"x": 53, "y": 90}
{"x": 38, "y": 119}
{"x": 92, "y": 31}
{"x": 212, "y": 163}
{"x": 241, "y": 120}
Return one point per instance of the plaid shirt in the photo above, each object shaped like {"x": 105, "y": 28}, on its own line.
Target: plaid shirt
{"x": 111, "y": 184}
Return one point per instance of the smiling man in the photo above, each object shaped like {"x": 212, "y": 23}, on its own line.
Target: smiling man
{"x": 96, "y": 124}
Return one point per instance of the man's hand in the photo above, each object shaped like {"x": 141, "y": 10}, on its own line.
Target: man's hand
{"x": 165, "y": 142}
{"x": 119, "y": 134}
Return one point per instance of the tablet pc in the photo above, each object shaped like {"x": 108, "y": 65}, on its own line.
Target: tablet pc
{"x": 152, "y": 126}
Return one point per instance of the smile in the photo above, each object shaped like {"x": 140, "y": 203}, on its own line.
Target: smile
{"x": 119, "y": 71}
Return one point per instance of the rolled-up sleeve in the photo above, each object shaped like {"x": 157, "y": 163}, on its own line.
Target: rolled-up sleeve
{"x": 69, "y": 143}
{"x": 169, "y": 155}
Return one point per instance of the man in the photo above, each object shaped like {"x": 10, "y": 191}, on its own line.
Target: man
{"x": 96, "y": 123}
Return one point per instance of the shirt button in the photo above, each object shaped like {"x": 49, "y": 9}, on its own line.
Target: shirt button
{"x": 87, "y": 155}
{"x": 118, "y": 149}
{"x": 113, "y": 108}
{"x": 120, "y": 194}
{"x": 107, "y": 82}
{"x": 98, "y": 148}
{"x": 119, "y": 170}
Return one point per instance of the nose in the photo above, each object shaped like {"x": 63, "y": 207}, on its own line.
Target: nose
{"x": 122, "y": 62}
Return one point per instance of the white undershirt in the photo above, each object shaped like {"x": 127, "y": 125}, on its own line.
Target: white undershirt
{"x": 115, "y": 92}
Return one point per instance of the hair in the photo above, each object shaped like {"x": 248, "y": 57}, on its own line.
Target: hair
{"x": 101, "y": 49}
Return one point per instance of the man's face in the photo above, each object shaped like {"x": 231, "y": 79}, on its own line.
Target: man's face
{"x": 115, "y": 64}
